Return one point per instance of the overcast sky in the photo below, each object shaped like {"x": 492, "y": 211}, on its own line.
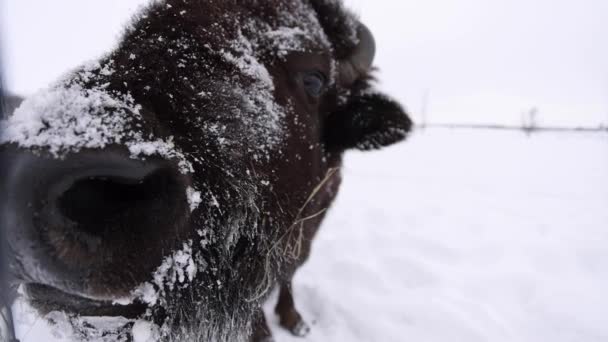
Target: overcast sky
{"x": 476, "y": 60}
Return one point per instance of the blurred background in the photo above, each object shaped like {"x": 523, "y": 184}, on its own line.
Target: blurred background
{"x": 450, "y": 61}
{"x": 458, "y": 234}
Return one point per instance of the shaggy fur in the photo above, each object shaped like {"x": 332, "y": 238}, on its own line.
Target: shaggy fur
{"x": 222, "y": 81}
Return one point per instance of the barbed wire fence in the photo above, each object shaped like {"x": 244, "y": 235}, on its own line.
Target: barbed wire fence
{"x": 529, "y": 121}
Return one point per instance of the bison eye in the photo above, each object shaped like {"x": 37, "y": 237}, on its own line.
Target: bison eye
{"x": 314, "y": 83}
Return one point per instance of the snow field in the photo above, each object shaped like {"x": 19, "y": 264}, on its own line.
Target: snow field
{"x": 464, "y": 235}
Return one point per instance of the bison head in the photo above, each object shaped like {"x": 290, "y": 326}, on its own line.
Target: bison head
{"x": 176, "y": 178}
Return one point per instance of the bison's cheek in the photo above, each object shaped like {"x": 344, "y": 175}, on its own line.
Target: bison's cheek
{"x": 94, "y": 223}
{"x": 299, "y": 170}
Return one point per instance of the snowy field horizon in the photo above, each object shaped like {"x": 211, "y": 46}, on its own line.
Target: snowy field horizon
{"x": 458, "y": 235}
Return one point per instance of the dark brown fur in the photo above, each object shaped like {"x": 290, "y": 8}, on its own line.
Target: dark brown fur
{"x": 274, "y": 198}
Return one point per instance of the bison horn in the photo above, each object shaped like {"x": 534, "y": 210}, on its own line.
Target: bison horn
{"x": 360, "y": 61}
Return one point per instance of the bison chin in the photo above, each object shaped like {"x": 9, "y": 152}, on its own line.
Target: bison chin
{"x": 221, "y": 302}
{"x": 212, "y": 288}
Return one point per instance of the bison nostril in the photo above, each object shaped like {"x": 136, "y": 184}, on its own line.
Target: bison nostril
{"x": 96, "y": 222}
{"x": 100, "y": 205}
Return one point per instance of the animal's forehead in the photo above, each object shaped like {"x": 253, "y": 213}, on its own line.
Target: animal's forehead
{"x": 275, "y": 24}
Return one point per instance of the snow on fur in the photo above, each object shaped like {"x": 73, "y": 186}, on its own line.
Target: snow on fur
{"x": 67, "y": 119}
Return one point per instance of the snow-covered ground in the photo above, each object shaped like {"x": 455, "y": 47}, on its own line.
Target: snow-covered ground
{"x": 465, "y": 236}
{"x": 461, "y": 235}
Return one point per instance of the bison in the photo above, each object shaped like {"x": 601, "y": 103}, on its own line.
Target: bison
{"x": 182, "y": 177}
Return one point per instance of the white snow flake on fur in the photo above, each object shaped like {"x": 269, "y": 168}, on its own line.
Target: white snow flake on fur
{"x": 247, "y": 62}
{"x": 194, "y": 198}
{"x": 260, "y": 113}
{"x": 146, "y": 292}
{"x": 144, "y": 331}
{"x": 287, "y": 39}
{"x": 248, "y": 52}
{"x": 69, "y": 119}
{"x": 164, "y": 148}
{"x": 176, "y": 270}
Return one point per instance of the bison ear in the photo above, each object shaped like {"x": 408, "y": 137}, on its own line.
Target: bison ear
{"x": 367, "y": 121}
